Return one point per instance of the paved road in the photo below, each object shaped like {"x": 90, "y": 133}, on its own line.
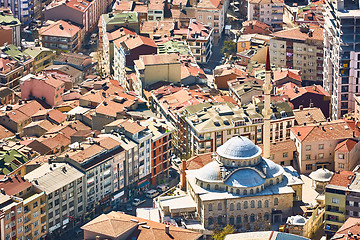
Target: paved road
{"x": 216, "y": 55}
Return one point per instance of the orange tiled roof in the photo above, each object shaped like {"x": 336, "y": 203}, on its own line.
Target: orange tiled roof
{"x": 351, "y": 225}
{"x": 296, "y": 34}
{"x": 346, "y": 145}
{"x": 343, "y": 179}
{"x": 60, "y": 28}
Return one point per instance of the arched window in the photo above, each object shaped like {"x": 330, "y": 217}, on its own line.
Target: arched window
{"x": 201, "y": 184}
{"x": 262, "y": 188}
{"x": 231, "y": 207}
{"x": 276, "y": 201}
{"x": 233, "y": 163}
{"x": 237, "y": 191}
{"x": 216, "y": 187}
{"x": 238, "y": 206}
{"x": 245, "y": 192}
{"x": 219, "y": 206}
{"x": 257, "y": 190}
{"x": 266, "y": 217}
{"x": 210, "y": 221}
{"x": 246, "y": 205}
{"x": 226, "y": 189}
{"x": 238, "y": 220}
{"x": 252, "y": 203}
{"x": 251, "y": 191}
{"x": 271, "y": 182}
{"x": 231, "y": 220}
{"x": 266, "y": 203}
{"x": 246, "y": 218}
{"x": 277, "y": 180}
{"x": 231, "y": 190}
{"x": 208, "y": 186}
{"x": 219, "y": 220}
{"x": 210, "y": 207}
{"x": 252, "y": 218}
{"x": 259, "y": 204}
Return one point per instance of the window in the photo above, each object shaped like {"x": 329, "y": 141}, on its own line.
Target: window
{"x": 321, "y": 146}
{"x": 341, "y": 165}
{"x": 231, "y": 207}
{"x": 231, "y": 220}
{"x": 238, "y": 206}
{"x": 260, "y": 204}
{"x": 246, "y": 205}
{"x": 308, "y": 147}
{"x": 285, "y": 155}
{"x": 252, "y": 204}
{"x": 238, "y": 219}
{"x": 219, "y": 206}
{"x": 351, "y": 203}
{"x": 308, "y": 156}
{"x": 35, "y": 204}
{"x": 210, "y": 221}
{"x": 266, "y": 203}
{"x": 219, "y": 219}
{"x": 341, "y": 156}
{"x": 335, "y": 200}
{"x": 321, "y": 155}
{"x": 210, "y": 207}
{"x": 308, "y": 166}
{"x": 276, "y": 201}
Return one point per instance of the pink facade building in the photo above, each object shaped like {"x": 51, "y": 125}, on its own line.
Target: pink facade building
{"x": 44, "y": 87}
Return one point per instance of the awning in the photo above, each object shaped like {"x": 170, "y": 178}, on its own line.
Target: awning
{"x": 143, "y": 184}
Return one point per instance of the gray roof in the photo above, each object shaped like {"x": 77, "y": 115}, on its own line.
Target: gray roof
{"x": 245, "y": 178}
{"x": 239, "y": 148}
{"x": 321, "y": 175}
{"x": 51, "y": 177}
{"x": 65, "y": 69}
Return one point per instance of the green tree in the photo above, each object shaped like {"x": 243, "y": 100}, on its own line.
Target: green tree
{"x": 229, "y": 48}
{"x": 220, "y": 234}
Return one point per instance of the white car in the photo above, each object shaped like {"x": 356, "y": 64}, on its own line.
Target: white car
{"x": 137, "y": 202}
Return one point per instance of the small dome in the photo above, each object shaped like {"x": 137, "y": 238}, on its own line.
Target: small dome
{"x": 321, "y": 175}
{"x": 209, "y": 172}
{"x": 245, "y": 178}
{"x": 298, "y": 220}
{"x": 273, "y": 169}
{"x": 238, "y": 148}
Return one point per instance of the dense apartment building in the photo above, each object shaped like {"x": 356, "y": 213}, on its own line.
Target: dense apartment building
{"x": 341, "y": 55}
{"x": 161, "y": 149}
{"x": 213, "y": 14}
{"x": 154, "y": 68}
{"x": 340, "y": 198}
{"x": 209, "y": 125}
{"x": 200, "y": 40}
{"x": 12, "y": 225}
{"x": 321, "y": 145}
{"x": 60, "y": 35}
{"x": 15, "y": 65}
{"x": 64, "y": 188}
{"x": 268, "y": 11}
{"x": 84, "y": 13}
{"x": 26, "y": 11}
{"x": 10, "y": 28}
{"x": 300, "y": 48}
{"x": 34, "y": 206}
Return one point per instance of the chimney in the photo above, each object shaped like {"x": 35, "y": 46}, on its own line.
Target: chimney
{"x": 311, "y": 105}
{"x": 183, "y": 174}
{"x": 301, "y": 107}
{"x": 2, "y": 190}
{"x": 314, "y": 87}
{"x": 167, "y": 229}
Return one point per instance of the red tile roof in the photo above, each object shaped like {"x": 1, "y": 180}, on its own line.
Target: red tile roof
{"x": 281, "y": 74}
{"x": 346, "y": 145}
{"x": 255, "y": 26}
{"x": 60, "y": 29}
{"x": 296, "y": 34}
{"x": 297, "y": 92}
{"x": 351, "y": 225}
{"x": 198, "y": 161}
{"x": 14, "y": 185}
{"x": 338, "y": 129}
{"x": 343, "y": 179}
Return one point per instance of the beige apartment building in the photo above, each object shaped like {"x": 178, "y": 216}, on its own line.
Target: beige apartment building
{"x": 11, "y": 217}
{"x": 151, "y": 69}
{"x": 267, "y": 11}
{"x": 209, "y": 125}
{"x": 316, "y": 145}
{"x": 299, "y": 48}
{"x": 212, "y": 13}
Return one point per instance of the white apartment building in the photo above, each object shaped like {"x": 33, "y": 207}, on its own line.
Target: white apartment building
{"x": 64, "y": 188}
{"x": 342, "y": 55}
{"x": 267, "y": 11}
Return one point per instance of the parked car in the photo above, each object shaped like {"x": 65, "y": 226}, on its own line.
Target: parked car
{"x": 137, "y": 202}
{"x": 152, "y": 193}
{"x": 162, "y": 188}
